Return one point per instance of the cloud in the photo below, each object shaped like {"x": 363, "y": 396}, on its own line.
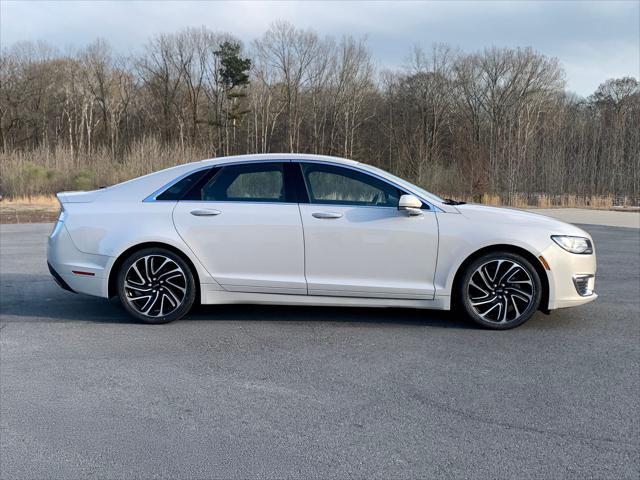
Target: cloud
{"x": 593, "y": 40}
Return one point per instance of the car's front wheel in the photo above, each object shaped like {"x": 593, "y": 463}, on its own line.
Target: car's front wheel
{"x": 156, "y": 286}
{"x": 500, "y": 290}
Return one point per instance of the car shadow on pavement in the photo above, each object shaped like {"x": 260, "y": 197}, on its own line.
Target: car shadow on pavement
{"x": 25, "y": 298}
{"x": 356, "y": 315}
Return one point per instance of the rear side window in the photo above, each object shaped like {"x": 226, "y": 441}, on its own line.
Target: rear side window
{"x": 259, "y": 182}
{"x": 181, "y": 187}
{"x": 329, "y": 184}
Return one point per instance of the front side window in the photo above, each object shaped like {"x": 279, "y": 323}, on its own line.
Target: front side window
{"x": 329, "y": 184}
{"x": 261, "y": 182}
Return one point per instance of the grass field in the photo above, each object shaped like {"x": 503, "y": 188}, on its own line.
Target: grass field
{"x": 36, "y": 209}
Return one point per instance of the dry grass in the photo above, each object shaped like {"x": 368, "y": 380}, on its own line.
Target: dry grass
{"x": 29, "y": 179}
{"x": 45, "y": 208}
{"x": 32, "y": 209}
{"x": 47, "y": 171}
{"x": 600, "y": 202}
{"x": 33, "y": 200}
{"x": 29, "y": 210}
{"x": 520, "y": 201}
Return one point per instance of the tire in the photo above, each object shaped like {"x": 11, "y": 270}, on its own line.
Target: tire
{"x": 495, "y": 281}
{"x": 156, "y": 286}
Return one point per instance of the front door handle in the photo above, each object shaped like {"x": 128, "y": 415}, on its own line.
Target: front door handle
{"x": 327, "y": 215}
{"x": 205, "y": 212}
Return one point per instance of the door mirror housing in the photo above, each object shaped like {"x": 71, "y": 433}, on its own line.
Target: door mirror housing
{"x": 410, "y": 204}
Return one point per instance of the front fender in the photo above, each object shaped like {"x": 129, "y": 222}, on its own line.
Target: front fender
{"x": 460, "y": 238}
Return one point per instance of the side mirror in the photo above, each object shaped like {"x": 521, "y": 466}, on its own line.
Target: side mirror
{"x": 411, "y": 204}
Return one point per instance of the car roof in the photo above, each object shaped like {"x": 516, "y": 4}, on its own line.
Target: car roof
{"x": 277, "y": 156}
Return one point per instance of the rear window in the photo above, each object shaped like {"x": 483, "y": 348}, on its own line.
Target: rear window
{"x": 181, "y": 187}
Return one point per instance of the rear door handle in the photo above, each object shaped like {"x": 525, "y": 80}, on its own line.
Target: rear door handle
{"x": 205, "y": 212}
{"x": 327, "y": 215}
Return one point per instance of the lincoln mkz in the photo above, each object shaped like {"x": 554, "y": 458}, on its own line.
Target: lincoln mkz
{"x": 312, "y": 230}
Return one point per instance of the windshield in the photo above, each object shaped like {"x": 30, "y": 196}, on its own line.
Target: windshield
{"x": 404, "y": 183}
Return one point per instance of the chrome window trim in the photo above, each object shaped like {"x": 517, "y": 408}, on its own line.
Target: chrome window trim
{"x": 345, "y": 205}
{"x": 234, "y": 201}
{"x": 152, "y": 198}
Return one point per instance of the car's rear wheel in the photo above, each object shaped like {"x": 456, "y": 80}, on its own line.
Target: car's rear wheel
{"x": 156, "y": 286}
{"x": 500, "y": 290}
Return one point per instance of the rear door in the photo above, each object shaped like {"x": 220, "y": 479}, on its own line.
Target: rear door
{"x": 246, "y": 229}
{"x": 357, "y": 242}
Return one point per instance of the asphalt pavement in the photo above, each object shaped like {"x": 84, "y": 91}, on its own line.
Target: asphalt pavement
{"x": 293, "y": 392}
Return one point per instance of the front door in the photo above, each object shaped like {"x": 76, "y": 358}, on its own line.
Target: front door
{"x": 357, "y": 242}
{"x": 245, "y": 231}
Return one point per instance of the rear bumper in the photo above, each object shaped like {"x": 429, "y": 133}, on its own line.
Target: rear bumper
{"x": 59, "y": 280}
{"x": 74, "y": 270}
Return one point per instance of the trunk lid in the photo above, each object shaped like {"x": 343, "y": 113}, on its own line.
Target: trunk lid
{"x": 77, "y": 197}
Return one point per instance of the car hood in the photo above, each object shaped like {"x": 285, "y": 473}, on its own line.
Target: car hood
{"x": 516, "y": 217}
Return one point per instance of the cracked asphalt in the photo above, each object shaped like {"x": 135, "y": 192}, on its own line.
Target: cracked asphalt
{"x": 284, "y": 392}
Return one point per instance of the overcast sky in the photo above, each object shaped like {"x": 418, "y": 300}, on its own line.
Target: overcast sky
{"x": 593, "y": 40}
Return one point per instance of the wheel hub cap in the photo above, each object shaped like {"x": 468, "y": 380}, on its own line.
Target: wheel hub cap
{"x": 500, "y": 291}
{"x": 155, "y": 285}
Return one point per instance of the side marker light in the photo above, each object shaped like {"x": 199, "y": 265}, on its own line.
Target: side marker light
{"x": 544, "y": 263}
{"x": 87, "y": 274}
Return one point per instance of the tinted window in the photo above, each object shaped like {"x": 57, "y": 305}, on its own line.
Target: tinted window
{"x": 330, "y": 184}
{"x": 260, "y": 182}
{"x": 180, "y": 188}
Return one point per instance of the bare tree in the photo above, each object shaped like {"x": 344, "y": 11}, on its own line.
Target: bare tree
{"x": 289, "y": 52}
{"x": 496, "y": 121}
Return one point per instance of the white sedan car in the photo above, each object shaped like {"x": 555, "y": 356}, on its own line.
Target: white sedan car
{"x": 311, "y": 230}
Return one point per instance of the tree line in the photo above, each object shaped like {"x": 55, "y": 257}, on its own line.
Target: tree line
{"x": 496, "y": 121}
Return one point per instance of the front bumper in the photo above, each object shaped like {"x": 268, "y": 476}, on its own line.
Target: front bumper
{"x": 571, "y": 277}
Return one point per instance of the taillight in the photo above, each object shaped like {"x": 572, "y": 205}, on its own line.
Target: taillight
{"x": 63, "y": 213}
{"x": 61, "y": 216}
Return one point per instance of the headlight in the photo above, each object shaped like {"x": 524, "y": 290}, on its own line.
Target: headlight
{"x": 578, "y": 245}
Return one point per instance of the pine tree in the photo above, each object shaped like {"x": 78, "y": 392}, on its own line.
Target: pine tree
{"x": 234, "y": 73}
